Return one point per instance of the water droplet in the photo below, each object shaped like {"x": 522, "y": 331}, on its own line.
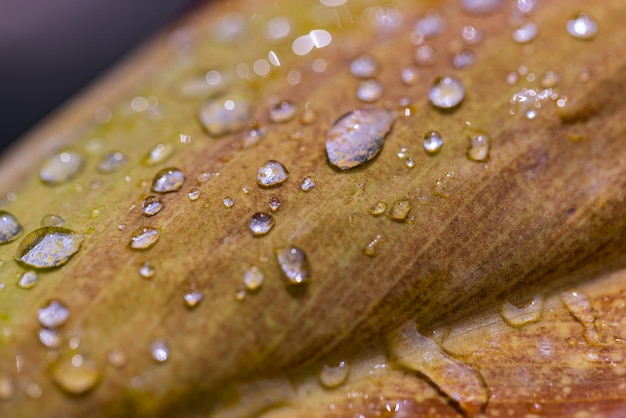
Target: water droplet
{"x": 481, "y": 7}
{"x": 425, "y": 55}
{"x": 308, "y": 116}
{"x": 7, "y": 387}
{"x": 409, "y": 162}
{"x": 261, "y": 223}
{"x": 294, "y": 264}
{"x": 307, "y": 184}
{"x": 144, "y": 238}
{"x": 479, "y": 145}
{"x": 272, "y": 173}
{"x": 117, "y": 358}
{"x": 332, "y": 376}
{"x": 168, "y": 180}
{"x": 10, "y": 228}
{"x": 579, "y": 306}
{"x": 33, "y": 391}
{"x": 369, "y": 91}
{"x": 204, "y": 85}
{"x": 370, "y": 249}
{"x": 550, "y": 79}
{"x": 430, "y": 25}
{"x": 282, "y": 112}
{"x": 61, "y": 168}
{"x": 471, "y": 35}
{"x": 357, "y": 137}
{"x": 446, "y": 92}
{"x": 400, "y": 210}
{"x": 160, "y": 350}
{"x": 111, "y": 162}
{"x": 274, "y": 204}
{"x": 158, "y": 154}
{"x": 194, "y": 194}
{"x": 49, "y": 338}
{"x": 253, "y": 278}
{"x": 525, "y": 33}
{"x": 146, "y": 270}
{"x": 409, "y": 76}
{"x": 48, "y": 247}
{"x": 53, "y": 315}
{"x": 76, "y": 375}
{"x": 152, "y": 205}
{"x": 463, "y": 59}
{"x": 378, "y": 209}
{"x": 520, "y": 316}
{"x": 432, "y": 142}
{"x": 192, "y": 297}
{"x": 240, "y": 295}
{"x": 28, "y": 280}
{"x": 228, "y": 202}
{"x": 582, "y": 26}
{"x": 253, "y": 137}
{"x": 52, "y": 220}
{"x": 364, "y": 66}
{"x": 225, "y": 116}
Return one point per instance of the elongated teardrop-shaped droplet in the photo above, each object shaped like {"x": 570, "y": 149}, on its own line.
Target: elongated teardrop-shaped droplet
{"x": 272, "y": 173}
{"x": 261, "y": 223}
{"x": 294, "y": 264}
{"x": 223, "y": 116}
{"x": 10, "y": 228}
{"x": 168, "y": 180}
{"x": 144, "y": 238}
{"x": 61, "y": 168}
{"x": 48, "y": 247}
{"x": 357, "y": 137}
{"x": 76, "y": 375}
{"x": 53, "y": 315}
{"x": 446, "y": 92}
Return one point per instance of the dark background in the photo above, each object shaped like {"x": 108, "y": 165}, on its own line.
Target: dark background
{"x": 50, "y": 49}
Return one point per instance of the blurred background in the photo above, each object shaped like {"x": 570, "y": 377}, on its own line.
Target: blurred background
{"x": 50, "y": 49}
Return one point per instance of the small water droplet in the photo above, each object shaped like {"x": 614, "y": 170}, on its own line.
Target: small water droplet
{"x": 274, "y": 204}
{"x": 53, "y": 315}
{"x": 550, "y": 79}
{"x": 520, "y": 316}
{"x": 307, "y": 184}
{"x": 283, "y": 111}
{"x": 10, "y": 228}
{"x": 471, "y": 35}
{"x": 76, "y": 375}
{"x": 168, "y": 180}
{"x": 357, "y": 137}
{"x": 272, "y": 173}
{"x": 446, "y": 92}
{"x": 481, "y": 7}
{"x": 117, "y": 358}
{"x": 369, "y": 91}
{"x": 370, "y": 249}
{"x": 111, "y": 162}
{"x": 430, "y": 25}
{"x": 49, "y": 338}
{"x": 160, "y": 351}
{"x": 378, "y": 209}
{"x": 525, "y": 33}
{"x": 194, "y": 194}
{"x": 400, "y": 210}
{"x": 61, "y": 168}
{"x": 158, "y": 154}
{"x": 364, "y": 66}
{"x": 294, "y": 264}
{"x": 409, "y": 162}
{"x": 582, "y": 26}
{"x": 52, "y": 220}
{"x": 402, "y": 152}
{"x": 7, "y": 387}
{"x": 409, "y": 75}
{"x": 432, "y": 142}
{"x": 463, "y": 59}
{"x": 146, "y": 270}
{"x": 253, "y": 137}
{"x": 240, "y": 295}
{"x": 225, "y": 116}
{"x": 48, "y": 247}
{"x": 33, "y": 391}
{"x": 152, "y": 205}
{"x": 28, "y": 280}
{"x": 479, "y": 146}
{"x": 425, "y": 55}
{"x": 308, "y": 116}
{"x": 204, "y": 85}
{"x": 253, "y": 278}
{"x": 333, "y": 376}
{"x": 261, "y": 223}
{"x": 144, "y": 238}
{"x": 228, "y": 202}
{"x": 192, "y": 297}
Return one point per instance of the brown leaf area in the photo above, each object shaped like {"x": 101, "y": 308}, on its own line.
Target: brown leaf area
{"x": 544, "y": 215}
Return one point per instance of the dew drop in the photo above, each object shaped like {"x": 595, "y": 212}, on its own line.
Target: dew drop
{"x": 582, "y": 26}
{"x": 28, "y": 280}
{"x": 272, "y": 173}
{"x": 481, "y": 7}
{"x": 253, "y": 137}
{"x": 152, "y": 205}
{"x": 240, "y": 295}
{"x": 369, "y": 91}
{"x": 479, "y": 145}
{"x": 53, "y": 315}
{"x": 274, "y": 204}
{"x": 430, "y": 25}
{"x": 282, "y": 112}
{"x": 370, "y": 249}
{"x": 144, "y": 238}
{"x": 33, "y": 391}
{"x": 364, "y": 66}
{"x": 10, "y": 228}
{"x": 160, "y": 351}
{"x": 463, "y": 59}
{"x": 117, "y": 358}
{"x": 228, "y": 202}
{"x": 253, "y": 278}
{"x": 520, "y": 316}
{"x": 400, "y": 210}
{"x": 146, "y": 270}
{"x": 49, "y": 338}
{"x": 425, "y": 55}
{"x": 357, "y": 137}
{"x": 333, "y": 376}
{"x": 550, "y": 79}
{"x": 525, "y": 33}
{"x": 7, "y": 387}
{"x": 61, "y": 168}
{"x": 308, "y": 116}
{"x": 224, "y": 116}
{"x": 168, "y": 180}
{"x": 192, "y": 297}
{"x": 409, "y": 76}
{"x": 378, "y": 209}
{"x": 52, "y": 220}
{"x": 307, "y": 184}
{"x": 48, "y": 247}
{"x": 204, "y": 85}
{"x": 446, "y": 92}
{"x": 294, "y": 264}
{"x": 76, "y": 376}
{"x": 158, "y": 154}
{"x": 471, "y": 35}
{"x": 193, "y": 194}
{"x": 261, "y": 223}
{"x": 432, "y": 142}
{"x": 111, "y": 162}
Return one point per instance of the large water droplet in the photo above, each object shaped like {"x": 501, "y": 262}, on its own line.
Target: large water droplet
{"x": 253, "y": 278}
{"x": 144, "y": 238}
{"x": 432, "y": 142}
{"x": 520, "y": 316}
{"x": 168, "y": 180}
{"x": 158, "y": 154}
{"x": 333, "y": 376}
{"x": 364, "y": 66}
{"x": 479, "y": 145}
{"x": 160, "y": 350}
{"x": 61, "y": 168}
{"x": 48, "y": 247}
{"x": 152, "y": 205}
{"x": 272, "y": 173}
{"x": 369, "y": 91}
{"x": 357, "y": 137}
{"x": 28, "y": 280}
{"x": 53, "y": 315}
{"x": 111, "y": 162}
{"x": 10, "y": 228}
{"x": 282, "y": 112}
{"x": 76, "y": 375}
{"x": 446, "y": 92}
{"x": 582, "y": 26}
{"x": 294, "y": 264}
{"x": 261, "y": 223}
{"x": 223, "y": 116}
{"x": 52, "y": 220}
